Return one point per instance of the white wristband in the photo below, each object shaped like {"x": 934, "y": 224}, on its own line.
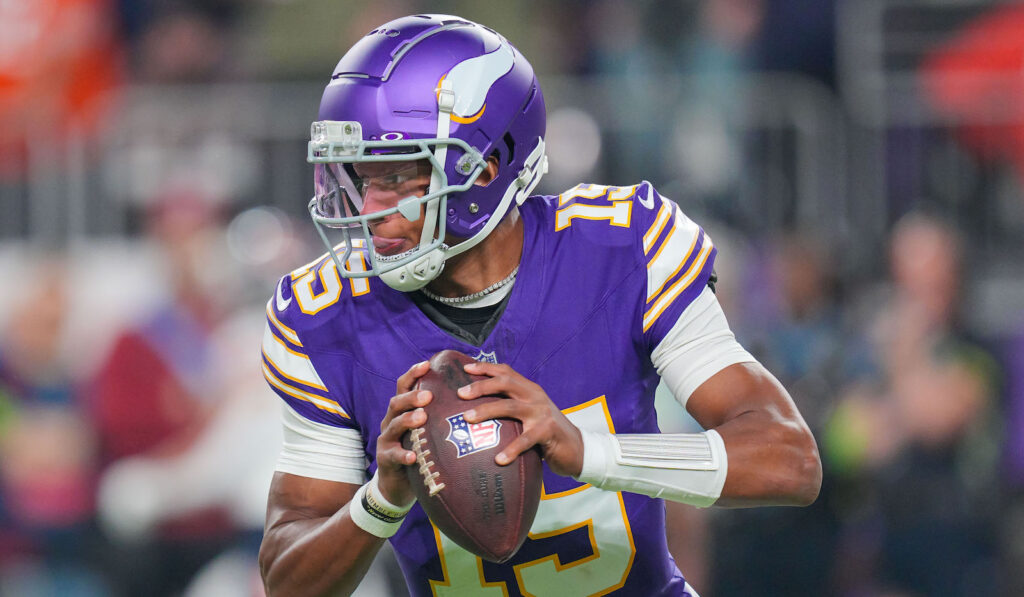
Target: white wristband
{"x": 373, "y": 513}
{"x": 681, "y": 467}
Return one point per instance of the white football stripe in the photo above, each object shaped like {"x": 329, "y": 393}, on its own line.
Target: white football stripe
{"x": 670, "y": 258}
{"x": 290, "y": 363}
{"x": 317, "y": 401}
{"x": 286, "y": 331}
{"x": 679, "y": 286}
{"x": 656, "y": 228}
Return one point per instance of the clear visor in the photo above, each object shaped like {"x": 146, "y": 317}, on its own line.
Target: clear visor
{"x": 359, "y": 182}
{"x": 340, "y": 191}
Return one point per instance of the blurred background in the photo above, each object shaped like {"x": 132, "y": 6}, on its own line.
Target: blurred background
{"x": 860, "y": 164}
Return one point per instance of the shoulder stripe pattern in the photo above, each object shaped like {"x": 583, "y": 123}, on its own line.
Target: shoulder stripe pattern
{"x": 290, "y": 372}
{"x": 662, "y": 302}
{"x": 292, "y": 364}
{"x": 671, "y": 240}
{"x": 687, "y": 259}
{"x": 679, "y": 256}
{"x": 654, "y": 231}
{"x": 285, "y": 331}
{"x": 285, "y": 391}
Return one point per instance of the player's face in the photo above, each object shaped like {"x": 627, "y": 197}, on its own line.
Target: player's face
{"x": 382, "y": 185}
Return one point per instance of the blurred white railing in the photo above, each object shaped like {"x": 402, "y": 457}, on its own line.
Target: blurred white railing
{"x": 770, "y": 153}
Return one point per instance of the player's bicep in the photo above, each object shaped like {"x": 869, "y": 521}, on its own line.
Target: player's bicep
{"x": 318, "y": 471}
{"x": 320, "y": 451}
{"x": 698, "y": 346}
{"x": 294, "y": 497}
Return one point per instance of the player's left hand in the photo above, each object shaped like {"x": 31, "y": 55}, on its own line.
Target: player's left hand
{"x": 544, "y": 425}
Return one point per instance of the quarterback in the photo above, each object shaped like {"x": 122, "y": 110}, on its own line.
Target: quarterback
{"x": 429, "y": 143}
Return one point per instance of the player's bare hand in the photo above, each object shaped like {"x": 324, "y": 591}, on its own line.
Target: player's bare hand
{"x": 405, "y": 412}
{"x": 544, "y": 425}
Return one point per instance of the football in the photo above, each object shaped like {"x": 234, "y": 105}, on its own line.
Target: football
{"x": 485, "y": 508}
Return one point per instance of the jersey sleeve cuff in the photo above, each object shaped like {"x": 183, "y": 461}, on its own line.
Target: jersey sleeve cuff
{"x": 325, "y": 473}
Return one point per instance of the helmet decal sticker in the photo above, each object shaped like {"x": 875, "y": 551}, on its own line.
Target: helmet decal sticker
{"x": 472, "y": 79}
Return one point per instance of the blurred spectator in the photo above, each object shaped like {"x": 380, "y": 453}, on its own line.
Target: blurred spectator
{"x": 227, "y": 466}
{"x": 797, "y": 36}
{"x": 47, "y": 452}
{"x": 974, "y": 79}
{"x": 59, "y": 63}
{"x": 181, "y": 41}
{"x": 792, "y": 325}
{"x": 159, "y": 385}
{"x": 916, "y": 444}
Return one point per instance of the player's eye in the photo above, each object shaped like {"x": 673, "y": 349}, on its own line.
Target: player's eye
{"x": 388, "y": 183}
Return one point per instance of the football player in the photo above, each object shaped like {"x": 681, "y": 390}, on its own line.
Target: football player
{"x": 429, "y": 143}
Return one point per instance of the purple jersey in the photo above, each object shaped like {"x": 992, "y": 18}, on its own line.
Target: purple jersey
{"x": 604, "y": 275}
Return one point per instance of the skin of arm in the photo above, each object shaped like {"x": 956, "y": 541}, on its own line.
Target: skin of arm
{"x": 310, "y": 545}
{"x": 773, "y": 458}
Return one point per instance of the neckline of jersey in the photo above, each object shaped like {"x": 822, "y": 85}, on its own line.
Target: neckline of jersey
{"x": 521, "y": 313}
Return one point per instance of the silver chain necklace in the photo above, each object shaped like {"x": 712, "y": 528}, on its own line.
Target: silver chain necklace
{"x": 458, "y": 300}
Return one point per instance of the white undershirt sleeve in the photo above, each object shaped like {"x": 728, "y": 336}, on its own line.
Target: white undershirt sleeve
{"x": 699, "y": 345}
{"x": 320, "y": 451}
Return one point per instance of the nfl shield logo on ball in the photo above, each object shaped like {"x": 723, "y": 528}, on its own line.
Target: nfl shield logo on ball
{"x": 469, "y": 438}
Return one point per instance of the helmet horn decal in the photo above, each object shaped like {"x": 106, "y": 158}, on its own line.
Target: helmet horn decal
{"x": 471, "y": 80}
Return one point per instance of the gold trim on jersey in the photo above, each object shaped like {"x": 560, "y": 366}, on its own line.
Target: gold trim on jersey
{"x": 325, "y": 404}
{"x": 286, "y": 331}
{"x": 652, "y": 234}
{"x": 652, "y": 295}
{"x": 681, "y": 284}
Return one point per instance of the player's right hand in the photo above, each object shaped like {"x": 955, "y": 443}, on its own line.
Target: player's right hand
{"x": 405, "y": 412}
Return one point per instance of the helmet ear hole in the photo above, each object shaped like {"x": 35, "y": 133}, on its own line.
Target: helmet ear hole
{"x": 511, "y": 144}
{"x": 490, "y": 171}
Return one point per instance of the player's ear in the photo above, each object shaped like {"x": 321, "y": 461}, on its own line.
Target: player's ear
{"x": 489, "y": 173}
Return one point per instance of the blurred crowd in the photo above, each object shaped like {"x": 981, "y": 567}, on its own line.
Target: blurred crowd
{"x": 137, "y": 438}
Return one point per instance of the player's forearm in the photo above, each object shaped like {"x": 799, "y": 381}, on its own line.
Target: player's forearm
{"x": 772, "y": 456}
{"x": 319, "y": 556}
{"x": 757, "y": 450}
{"x": 773, "y": 460}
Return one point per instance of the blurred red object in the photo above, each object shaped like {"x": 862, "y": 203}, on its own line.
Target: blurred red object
{"x": 59, "y": 61}
{"x": 977, "y": 80}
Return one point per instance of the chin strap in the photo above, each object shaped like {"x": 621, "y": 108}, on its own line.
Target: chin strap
{"x": 417, "y": 274}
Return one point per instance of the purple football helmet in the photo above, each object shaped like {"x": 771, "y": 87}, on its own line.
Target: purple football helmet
{"x": 426, "y": 87}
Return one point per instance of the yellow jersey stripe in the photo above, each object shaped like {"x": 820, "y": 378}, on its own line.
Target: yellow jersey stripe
{"x": 670, "y": 295}
{"x": 664, "y": 214}
{"x": 317, "y": 401}
{"x": 286, "y": 331}
{"x": 285, "y": 358}
{"x": 682, "y": 262}
{"x": 283, "y": 373}
{"x": 668, "y": 241}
